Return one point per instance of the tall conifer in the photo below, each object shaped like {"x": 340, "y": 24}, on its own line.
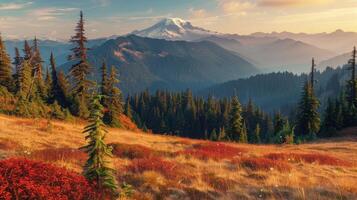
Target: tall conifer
{"x": 5, "y": 67}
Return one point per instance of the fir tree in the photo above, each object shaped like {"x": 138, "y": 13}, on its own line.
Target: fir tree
{"x": 308, "y": 117}
{"x": 257, "y": 132}
{"x": 36, "y": 61}
{"x": 104, "y": 84}
{"x": 114, "y": 100}
{"x": 17, "y": 63}
{"x": 243, "y": 135}
{"x": 127, "y": 108}
{"x": 80, "y": 71}
{"x": 97, "y": 167}
{"x": 352, "y": 83}
{"x": 27, "y": 51}
{"x": 5, "y": 67}
{"x": 25, "y": 80}
{"x": 235, "y": 120}
{"x": 213, "y": 135}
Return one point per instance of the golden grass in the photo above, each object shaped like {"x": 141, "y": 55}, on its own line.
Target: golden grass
{"x": 252, "y": 175}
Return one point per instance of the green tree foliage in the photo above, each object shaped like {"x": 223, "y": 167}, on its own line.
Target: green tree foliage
{"x": 97, "y": 167}
{"x": 285, "y": 135}
{"x": 25, "y": 81}
{"x": 112, "y": 99}
{"x": 235, "y": 120}
{"x": 5, "y": 67}
{"x": 256, "y": 134}
{"x": 80, "y": 71}
{"x": 308, "y": 123}
{"x": 127, "y": 108}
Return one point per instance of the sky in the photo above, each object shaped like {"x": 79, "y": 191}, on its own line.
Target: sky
{"x": 55, "y": 19}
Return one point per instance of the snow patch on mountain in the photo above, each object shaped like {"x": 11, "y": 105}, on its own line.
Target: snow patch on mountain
{"x": 174, "y": 29}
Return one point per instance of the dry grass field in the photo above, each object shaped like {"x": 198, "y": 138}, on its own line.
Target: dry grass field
{"x": 165, "y": 167}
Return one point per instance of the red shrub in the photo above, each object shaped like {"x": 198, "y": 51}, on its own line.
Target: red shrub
{"x": 58, "y": 154}
{"x": 131, "y": 151}
{"x": 169, "y": 169}
{"x": 215, "y": 151}
{"x": 308, "y": 158}
{"x": 263, "y": 164}
{"x": 8, "y": 145}
{"x": 25, "y": 179}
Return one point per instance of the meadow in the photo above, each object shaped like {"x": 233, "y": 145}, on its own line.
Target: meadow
{"x": 167, "y": 167}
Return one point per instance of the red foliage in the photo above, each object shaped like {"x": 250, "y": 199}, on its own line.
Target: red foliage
{"x": 8, "y": 145}
{"x": 131, "y": 151}
{"x": 309, "y": 158}
{"x": 263, "y": 164}
{"x": 127, "y": 123}
{"x": 169, "y": 169}
{"x": 211, "y": 150}
{"x": 25, "y": 179}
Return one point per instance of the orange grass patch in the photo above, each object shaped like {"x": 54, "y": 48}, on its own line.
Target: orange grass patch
{"x": 264, "y": 164}
{"x": 218, "y": 183}
{"x": 171, "y": 170}
{"x": 317, "y": 158}
{"x": 211, "y": 150}
{"x": 58, "y": 154}
{"x": 132, "y": 151}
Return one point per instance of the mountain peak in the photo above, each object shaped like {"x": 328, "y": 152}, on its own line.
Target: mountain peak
{"x": 174, "y": 29}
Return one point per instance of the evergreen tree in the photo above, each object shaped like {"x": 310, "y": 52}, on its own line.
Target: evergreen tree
{"x": 17, "y": 63}
{"x": 235, "y": 120}
{"x": 352, "y": 83}
{"x": 308, "y": 116}
{"x": 80, "y": 71}
{"x": 97, "y": 167}
{"x": 25, "y": 81}
{"x": 27, "y": 51}
{"x": 279, "y": 122}
{"x": 257, "y": 133}
{"x": 127, "y": 108}
{"x": 36, "y": 61}
{"x": 104, "y": 84}
{"x": 243, "y": 135}
{"x": 5, "y": 67}
{"x": 114, "y": 100}
{"x": 213, "y": 135}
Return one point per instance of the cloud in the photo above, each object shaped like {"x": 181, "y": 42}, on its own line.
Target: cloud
{"x": 14, "y": 6}
{"x": 45, "y": 14}
{"x": 234, "y": 6}
{"x": 286, "y": 3}
{"x": 102, "y": 3}
{"x": 198, "y": 13}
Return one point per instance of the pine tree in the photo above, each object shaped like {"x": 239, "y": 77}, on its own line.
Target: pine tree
{"x": 235, "y": 120}
{"x": 5, "y": 67}
{"x": 17, "y": 63}
{"x": 27, "y": 51}
{"x": 36, "y": 61}
{"x": 104, "y": 83}
{"x": 257, "y": 132}
{"x": 48, "y": 83}
{"x": 243, "y": 135}
{"x": 352, "y": 83}
{"x": 97, "y": 167}
{"x": 114, "y": 100}
{"x": 80, "y": 71}
{"x": 308, "y": 116}
{"x": 127, "y": 108}
{"x": 25, "y": 81}
{"x": 213, "y": 136}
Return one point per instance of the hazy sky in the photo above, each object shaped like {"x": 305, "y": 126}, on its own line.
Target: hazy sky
{"x": 56, "y": 19}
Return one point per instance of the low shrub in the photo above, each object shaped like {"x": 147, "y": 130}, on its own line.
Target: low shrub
{"x": 170, "y": 170}
{"x": 263, "y": 164}
{"x": 131, "y": 151}
{"x": 211, "y": 150}
{"x": 317, "y": 158}
{"x": 25, "y": 179}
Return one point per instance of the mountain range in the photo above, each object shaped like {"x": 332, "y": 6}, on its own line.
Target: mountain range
{"x": 146, "y": 63}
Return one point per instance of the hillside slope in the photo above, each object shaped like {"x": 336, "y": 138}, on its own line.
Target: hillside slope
{"x": 161, "y": 167}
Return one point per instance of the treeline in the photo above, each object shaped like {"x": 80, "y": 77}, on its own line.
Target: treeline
{"x": 30, "y": 91}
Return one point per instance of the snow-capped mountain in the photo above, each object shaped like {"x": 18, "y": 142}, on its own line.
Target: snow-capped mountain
{"x": 174, "y": 29}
